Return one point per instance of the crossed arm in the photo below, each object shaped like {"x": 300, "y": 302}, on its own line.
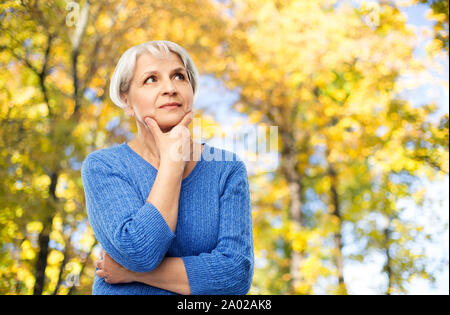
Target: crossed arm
{"x": 170, "y": 275}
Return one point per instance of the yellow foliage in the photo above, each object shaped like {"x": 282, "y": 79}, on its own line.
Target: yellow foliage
{"x": 70, "y": 206}
{"x": 312, "y": 268}
{"x": 73, "y": 267}
{"x": 34, "y": 227}
{"x": 61, "y": 186}
{"x": 255, "y": 117}
{"x": 56, "y": 236}
{"x": 286, "y": 277}
{"x": 52, "y": 273}
{"x": 206, "y": 127}
{"x": 303, "y": 288}
{"x": 25, "y": 276}
{"x": 41, "y": 182}
{"x": 439, "y": 17}
{"x": 55, "y": 257}
{"x": 104, "y": 22}
{"x": 58, "y": 223}
{"x": 27, "y": 251}
{"x": 87, "y": 240}
{"x": 16, "y": 157}
{"x": 299, "y": 244}
{"x": 24, "y": 95}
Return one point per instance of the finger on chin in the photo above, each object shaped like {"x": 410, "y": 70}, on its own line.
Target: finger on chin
{"x": 152, "y": 125}
{"x": 187, "y": 119}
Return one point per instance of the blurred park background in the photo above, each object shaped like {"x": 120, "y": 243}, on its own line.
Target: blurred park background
{"x": 358, "y": 202}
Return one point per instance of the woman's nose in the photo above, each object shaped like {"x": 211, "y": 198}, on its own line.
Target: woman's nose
{"x": 168, "y": 87}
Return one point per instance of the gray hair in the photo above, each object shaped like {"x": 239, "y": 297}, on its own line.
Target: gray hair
{"x": 121, "y": 78}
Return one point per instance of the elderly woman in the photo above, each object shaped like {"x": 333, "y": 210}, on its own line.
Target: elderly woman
{"x": 170, "y": 219}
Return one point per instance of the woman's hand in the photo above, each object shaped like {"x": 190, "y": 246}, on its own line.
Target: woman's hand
{"x": 175, "y": 145}
{"x": 169, "y": 275}
{"x": 112, "y": 272}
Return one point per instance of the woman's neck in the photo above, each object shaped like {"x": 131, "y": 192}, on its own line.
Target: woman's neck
{"x": 146, "y": 147}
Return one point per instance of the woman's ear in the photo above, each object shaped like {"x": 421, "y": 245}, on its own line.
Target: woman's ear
{"x": 128, "y": 110}
{"x": 124, "y": 98}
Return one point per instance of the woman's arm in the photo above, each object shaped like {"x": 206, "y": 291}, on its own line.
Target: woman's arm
{"x": 170, "y": 275}
{"x": 132, "y": 231}
{"x": 165, "y": 192}
{"x": 228, "y": 268}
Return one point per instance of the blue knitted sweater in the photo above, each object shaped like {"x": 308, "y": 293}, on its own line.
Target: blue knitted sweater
{"x": 214, "y": 228}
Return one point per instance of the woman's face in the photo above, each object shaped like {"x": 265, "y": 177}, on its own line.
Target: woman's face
{"x": 158, "y": 81}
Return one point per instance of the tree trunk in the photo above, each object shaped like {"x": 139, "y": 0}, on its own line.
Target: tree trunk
{"x": 76, "y": 38}
{"x": 338, "y": 258}
{"x": 66, "y": 255}
{"x": 41, "y": 262}
{"x": 387, "y": 266}
{"x": 290, "y": 172}
{"x": 44, "y": 238}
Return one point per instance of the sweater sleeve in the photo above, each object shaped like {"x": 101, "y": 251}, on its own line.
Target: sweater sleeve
{"x": 132, "y": 231}
{"x": 228, "y": 269}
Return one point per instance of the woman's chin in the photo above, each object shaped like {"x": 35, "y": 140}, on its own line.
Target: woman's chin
{"x": 166, "y": 124}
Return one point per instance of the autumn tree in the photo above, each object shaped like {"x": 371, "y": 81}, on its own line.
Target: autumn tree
{"x": 326, "y": 74}
{"x": 440, "y": 11}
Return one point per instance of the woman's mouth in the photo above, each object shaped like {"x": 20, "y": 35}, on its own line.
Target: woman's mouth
{"x": 170, "y": 105}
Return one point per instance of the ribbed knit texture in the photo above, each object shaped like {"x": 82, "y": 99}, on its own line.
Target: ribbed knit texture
{"x": 214, "y": 228}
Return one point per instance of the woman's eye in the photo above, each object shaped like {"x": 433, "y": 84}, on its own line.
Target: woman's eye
{"x": 180, "y": 75}
{"x": 149, "y": 78}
